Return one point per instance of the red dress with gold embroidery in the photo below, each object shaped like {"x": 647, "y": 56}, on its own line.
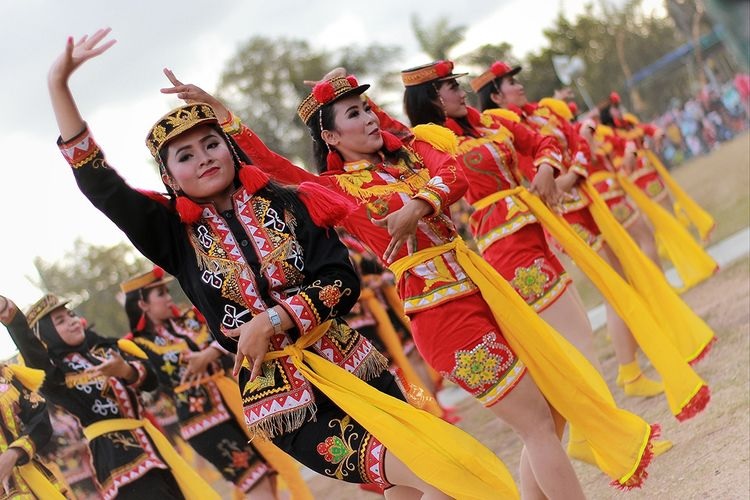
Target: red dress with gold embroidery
{"x": 508, "y": 235}
{"x": 451, "y": 324}
{"x": 644, "y": 175}
{"x": 545, "y": 121}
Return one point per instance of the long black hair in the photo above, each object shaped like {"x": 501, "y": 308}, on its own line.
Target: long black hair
{"x": 421, "y": 104}
{"x": 485, "y": 94}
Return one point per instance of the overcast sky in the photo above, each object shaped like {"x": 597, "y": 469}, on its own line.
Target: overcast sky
{"x": 118, "y": 92}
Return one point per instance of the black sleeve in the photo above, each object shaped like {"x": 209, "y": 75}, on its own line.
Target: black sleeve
{"x": 331, "y": 286}
{"x": 32, "y": 350}
{"x": 152, "y": 226}
{"x": 37, "y": 428}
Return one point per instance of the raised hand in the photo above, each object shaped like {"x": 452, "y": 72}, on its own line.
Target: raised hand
{"x": 192, "y": 93}
{"x": 115, "y": 366}
{"x": 252, "y": 344}
{"x": 197, "y": 363}
{"x": 6, "y": 309}
{"x": 79, "y": 52}
{"x": 340, "y": 71}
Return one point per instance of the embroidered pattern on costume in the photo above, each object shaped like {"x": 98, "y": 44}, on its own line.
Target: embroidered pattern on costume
{"x": 531, "y": 281}
{"x": 338, "y": 450}
{"x": 481, "y": 366}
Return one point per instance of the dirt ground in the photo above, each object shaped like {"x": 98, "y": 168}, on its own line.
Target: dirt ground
{"x": 711, "y": 451}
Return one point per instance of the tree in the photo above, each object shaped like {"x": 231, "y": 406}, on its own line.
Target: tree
{"x": 437, "y": 39}
{"x": 263, "y": 84}
{"x": 482, "y": 57}
{"x": 90, "y": 276}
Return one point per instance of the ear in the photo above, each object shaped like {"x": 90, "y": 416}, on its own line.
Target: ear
{"x": 329, "y": 137}
{"x": 143, "y": 305}
{"x": 497, "y": 98}
{"x": 167, "y": 179}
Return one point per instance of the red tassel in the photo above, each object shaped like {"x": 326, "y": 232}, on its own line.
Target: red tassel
{"x": 188, "y": 210}
{"x": 161, "y": 198}
{"x": 141, "y": 325}
{"x": 695, "y": 405}
{"x": 390, "y": 141}
{"x": 327, "y": 208}
{"x": 641, "y": 472}
{"x": 176, "y": 311}
{"x": 128, "y": 336}
{"x": 704, "y": 353}
{"x": 334, "y": 160}
{"x": 252, "y": 178}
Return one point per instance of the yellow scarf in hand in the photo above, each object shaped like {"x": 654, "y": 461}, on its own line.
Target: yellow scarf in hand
{"x": 684, "y": 205}
{"x": 191, "y": 484}
{"x": 618, "y": 438}
{"x": 439, "y": 453}
{"x": 687, "y": 331}
{"x": 691, "y": 261}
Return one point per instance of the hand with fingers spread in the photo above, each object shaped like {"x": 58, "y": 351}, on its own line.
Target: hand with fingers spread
{"x": 198, "y": 363}
{"x": 340, "y": 71}
{"x": 253, "y": 342}
{"x": 544, "y": 185}
{"x": 115, "y": 366}
{"x": 402, "y": 226}
{"x": 192, "y": 93}
{"x": 69, "y": 120}
{"x": 8, "y": 460}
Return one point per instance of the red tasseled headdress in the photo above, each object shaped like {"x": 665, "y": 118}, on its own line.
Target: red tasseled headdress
{"x": 327, "y": 208}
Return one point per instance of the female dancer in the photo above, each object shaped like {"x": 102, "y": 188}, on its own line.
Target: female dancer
{"x": 93, "y": 379}
{"x": 258, "y": 261}
{"x": 403, "y": 190}
{"x": 497, "y": 88}
{"x": 188, "y": 371}
{"x": 25, "y": 427}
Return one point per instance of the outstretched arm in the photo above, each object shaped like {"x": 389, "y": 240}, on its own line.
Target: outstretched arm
{"x": 69, "y": 119}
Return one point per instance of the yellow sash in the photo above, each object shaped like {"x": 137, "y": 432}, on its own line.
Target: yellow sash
{"x": 424, "y": 398}
{"x": 192, "y": 485}
{"x": 439, "y": 453}
{"x": 618, "y": 438}
{"x": 692, "y": 262}
{"x": 684, "y": 205}
{"x": 38, "y": 482}
{"x": 687, "y": 331}
{"x": 683, "y": 388}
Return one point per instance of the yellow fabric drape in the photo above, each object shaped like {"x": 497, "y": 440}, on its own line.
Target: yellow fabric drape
{"x": 286, "y": 466}
{"x": 687, "y": 331}
{"x": 31, "y": 378}
{"x": 38, "y": 482}
{"x": 691, "y": 261}
{"x": 192, "y": 485}
{"x": 683, "y": 388}
{"x": 439, "y": 453}
{"x": 618, "y": 438}
{"x": 683, "y": 204}
{"x": 395, "y": 348}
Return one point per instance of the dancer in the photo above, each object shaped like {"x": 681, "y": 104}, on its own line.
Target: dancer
{"x": 189, "y": 368}
{"x": 405, "y": 188}
{"x": 498, "y": 90}
{"x": 261, "y": 264}
{"x": 96, "y": 380}
{"x": 26, "y": 428}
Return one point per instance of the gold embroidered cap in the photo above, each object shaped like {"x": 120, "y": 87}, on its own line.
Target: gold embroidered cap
{"x": 176, "y": 122}
{"x": 436, "y": 71}
{"x": 328, "y": 91}
{"x": 149, "y": 279}
{"x": 43, "y": 307}
{"x": 498, "y": 69}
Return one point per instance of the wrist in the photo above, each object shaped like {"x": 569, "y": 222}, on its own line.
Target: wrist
{"x": 274, "y": 319}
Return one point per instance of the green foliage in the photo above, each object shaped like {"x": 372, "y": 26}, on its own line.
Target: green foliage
{"x": 263, "y": 85}
{"x": 90, "y": 275}
{"x": 437, "y": 39}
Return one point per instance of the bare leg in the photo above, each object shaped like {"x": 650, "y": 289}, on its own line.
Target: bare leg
{"x": 644, "y": 236}
{"x": 622, "y": 340}
{"x": 407, "y": 482}
{"x": 548, "y": 470}
{"x": 264, "y": 490}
